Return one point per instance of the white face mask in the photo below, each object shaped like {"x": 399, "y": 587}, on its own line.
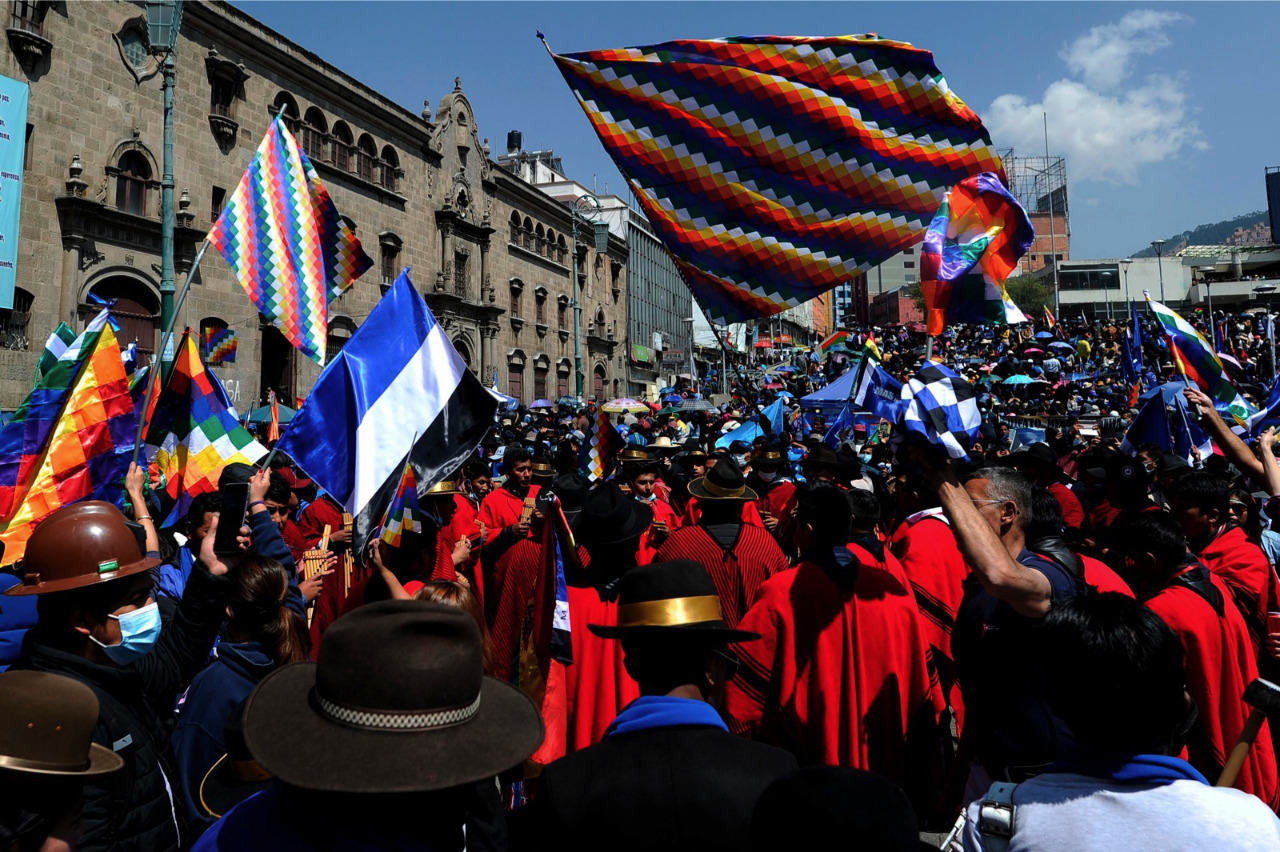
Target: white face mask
{"x": 741, "y": 460}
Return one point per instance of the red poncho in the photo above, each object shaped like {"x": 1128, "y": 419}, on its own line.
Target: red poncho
{"x": 501, "y": 509}
{"x": 597, "y": 684}
{"x": 737, "y": 572}
{"x": 1247, "y": 573}
{"x": 750, "y": 514}
{"x": 1220, "y": 664}
{"x": 662, "y": 511}
{"x": 1100, "y": 575}
{"x": 1072, "y": 509}
{"x": 840, "y": 675}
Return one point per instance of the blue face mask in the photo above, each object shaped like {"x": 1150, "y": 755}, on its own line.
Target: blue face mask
{"x": 865, "y": 458}
{"x": 139, "y": 631}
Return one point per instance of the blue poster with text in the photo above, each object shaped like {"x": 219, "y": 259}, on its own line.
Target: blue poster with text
{"x": 13, "y": 140}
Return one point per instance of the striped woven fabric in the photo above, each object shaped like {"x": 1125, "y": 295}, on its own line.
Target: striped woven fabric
{"x": 87, "y": 442}
{"x": 776, "y": 168}
{"x": 290, "y": 249}
{"x": 195, "y": 431}
{"x": 602, "y": 448}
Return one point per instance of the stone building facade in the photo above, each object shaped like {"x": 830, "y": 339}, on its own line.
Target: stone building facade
{"x": 489, "y": 252}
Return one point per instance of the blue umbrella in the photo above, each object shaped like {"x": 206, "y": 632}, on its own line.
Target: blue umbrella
{"x": 1018, "y": 380}
{"x": 1044, "y": 335}
{"x": 673, "y": 398}
{"x": 666, "y": 390}
{"x": 787, "y": 394}
{"x": 1061, "y": 344}
{"x": 540, "y": 403}
{"x": 785, "y": 368}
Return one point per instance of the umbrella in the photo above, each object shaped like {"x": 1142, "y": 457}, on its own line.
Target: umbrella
{"x": 785, "y": 368}
{"x": 764, "y": 344}
{"x": 1018, "y": 380}
{"x": 669, "y": 410}
{"x": 697, "y": 405}
{"x": 1044, "y": 335}
{"x": 673, "y": 398}
{"x": 773, "y": 386}
{"x": 623, "y": 406}
{"x": 541, "y": 403}
{"x": 666, "y": 390}
{"x": 1062, "y": 344}
{"x": 1031, "y": 350}
{"x": 263, "y": 414}
{"x": 786, "y": 394}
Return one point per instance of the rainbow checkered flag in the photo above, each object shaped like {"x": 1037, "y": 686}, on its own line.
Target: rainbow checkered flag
{"x": 403, "y": 514}
{"x": 289, "y": 248}
{"x": 602, "y": 448}
{"x": 195, "y": 431}
{"x": 220, "y": 346}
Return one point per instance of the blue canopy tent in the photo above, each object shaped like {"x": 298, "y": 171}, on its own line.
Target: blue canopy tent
{"x": 831, "y": 399}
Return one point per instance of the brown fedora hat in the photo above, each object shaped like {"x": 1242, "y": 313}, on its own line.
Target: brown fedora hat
{"x": 397, "y": 702}
{"x": 723, "y": 482}
{"x": 676, "y": 598}
{"x": 609, "y": 517}
{"x": 46, "y": 727}
{"x": 80, "y": 545}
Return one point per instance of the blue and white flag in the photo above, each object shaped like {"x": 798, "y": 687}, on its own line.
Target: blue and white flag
{"x": 398, "y": 390}
{"x": 879, "y": 393}
{"x": 940, "y": 405}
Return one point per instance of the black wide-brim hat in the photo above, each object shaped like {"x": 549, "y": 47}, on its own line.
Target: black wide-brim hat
{"x": 725, "y": 481}
{"x": 396, "y": 703}
{"x": 671, "y": 599}
{"x": 609, "y": 517}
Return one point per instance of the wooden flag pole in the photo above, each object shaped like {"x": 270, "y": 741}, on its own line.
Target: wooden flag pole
{"x": 156, "y": 363}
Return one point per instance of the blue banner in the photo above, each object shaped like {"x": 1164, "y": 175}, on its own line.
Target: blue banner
{"x": 13, "y": 141}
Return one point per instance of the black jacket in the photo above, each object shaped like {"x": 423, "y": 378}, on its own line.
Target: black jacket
{"x": 677, "y": 788}
{"x": 132, "y": 809}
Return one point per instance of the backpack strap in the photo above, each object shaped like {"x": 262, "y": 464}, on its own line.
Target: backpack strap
{"x": 997, "y": 817}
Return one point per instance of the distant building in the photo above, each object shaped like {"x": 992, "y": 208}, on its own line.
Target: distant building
{"x": 895, "y": 307}
{"x": 1040, "y": 185}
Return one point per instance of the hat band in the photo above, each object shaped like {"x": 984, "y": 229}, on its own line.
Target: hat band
{"x": 671, "y": 612}
{"x": 720, "y": 491}
{"x": 397, "y": 721}
{"x": 10, "y": 762}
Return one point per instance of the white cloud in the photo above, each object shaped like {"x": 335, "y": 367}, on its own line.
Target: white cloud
{"x": 1104, "y": 55}
{"x": 1106, "y": 131}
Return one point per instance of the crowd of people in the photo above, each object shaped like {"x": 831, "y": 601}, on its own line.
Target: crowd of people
{"x": 816, "y": 633}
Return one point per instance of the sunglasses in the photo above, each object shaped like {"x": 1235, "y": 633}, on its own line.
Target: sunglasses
{"x": 731, "y": 664}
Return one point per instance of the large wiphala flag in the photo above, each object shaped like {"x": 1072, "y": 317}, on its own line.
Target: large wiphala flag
{"x": 775, "y": 168}
{"x": 397, "y": 390}
{"x": 289, "y": 248}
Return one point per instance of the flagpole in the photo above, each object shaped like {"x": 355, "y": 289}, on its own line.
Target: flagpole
{"x": 165, "y": 335}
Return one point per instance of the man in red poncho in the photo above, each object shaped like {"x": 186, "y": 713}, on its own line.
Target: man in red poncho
{"x": 1200, "y": 505}
{"x": 1220, "y": 660}
{"x": 776, "y": 493}
{"x": 841, "y": 674}
{"x": 642, "y": 477}
{"x": 597, "y": 684}
{"x": 502, "y": 508}
{"x": 738, "y": 556}
{"x": 926, "y": 547}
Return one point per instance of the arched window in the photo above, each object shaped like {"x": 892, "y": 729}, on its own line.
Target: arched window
{"x": 340, "y": 331}
{"x": 390, "y": 168}
{"x": 136, "y": 309}
{"x": 540, "y": 309}
{"x": 517, "y": 288}
{"x": 561, "y": 249}
{"x": 541, "y": 367}
{"x": 527, "y": 236}
{"x": 599, "y": 383}
{"x": 389, "y": 244}
{"x": 515, "y": 374}
{"x": 562, "y": 377}
{"x": 341, "y": 146}
{"x": 464, "y": 351}
{"x": 539, "y": 239}
{"x": 515, "y": 228}
{"x": 366, "y": 156}
{"x": 14, "y": 322}
{"x": 314, "y": 131}
{"x": 132, "y": 176}
{"x": 286, "y": 100}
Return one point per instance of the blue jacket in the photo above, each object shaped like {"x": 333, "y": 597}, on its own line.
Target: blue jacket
{"x": 17, "y": 615}
{"x": 268, "y": 542}
{"x": 234, "y": 671}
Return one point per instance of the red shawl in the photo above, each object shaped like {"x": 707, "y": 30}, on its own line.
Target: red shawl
{"x": 1248, "y": 575}
{"x": 662, "y": 511}
{"x": 1220, "y": 664}
{"x": 738, "y": 573}
{"x": 838, "y": 677}
{"x": 597, "y": 684}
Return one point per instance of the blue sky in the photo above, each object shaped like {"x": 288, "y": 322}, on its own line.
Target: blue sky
{"x": 1166, "y": 112}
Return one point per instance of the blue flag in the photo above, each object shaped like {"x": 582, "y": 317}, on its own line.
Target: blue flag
{"x": 879, "y": 393}
{"x": 1151, "y": 426}
{"x": 844, "y": 421}
{"x": 775, "y": 415}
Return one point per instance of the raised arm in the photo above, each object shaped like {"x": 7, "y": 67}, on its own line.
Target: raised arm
{"x": 1232, "y": 446}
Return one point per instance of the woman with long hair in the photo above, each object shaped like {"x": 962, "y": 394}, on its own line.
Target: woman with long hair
{"x": 260, "y": 635}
